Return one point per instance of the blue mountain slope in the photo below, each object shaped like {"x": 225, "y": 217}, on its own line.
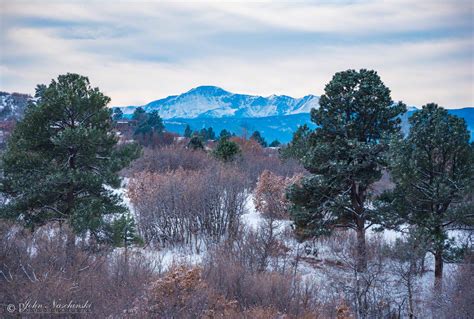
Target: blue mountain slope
{"x": 282, "y": 127}
{"x": 275, "y": 116}
{"x": 272, "y": 127}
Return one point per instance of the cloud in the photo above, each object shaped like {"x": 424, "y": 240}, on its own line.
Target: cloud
{"x": 140, "y": 51}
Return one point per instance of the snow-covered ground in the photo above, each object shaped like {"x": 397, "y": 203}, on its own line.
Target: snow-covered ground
{"x": 324, "y": 262}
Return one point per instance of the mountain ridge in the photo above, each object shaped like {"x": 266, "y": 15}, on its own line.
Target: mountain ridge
{"x": 214, "y": 102}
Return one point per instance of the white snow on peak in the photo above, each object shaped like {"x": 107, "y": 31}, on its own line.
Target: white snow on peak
{"x": 214, "y": 102}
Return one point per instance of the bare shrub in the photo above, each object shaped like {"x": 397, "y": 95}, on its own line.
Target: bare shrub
{"x": 234, "y": 268}
{"x": 181, "y": 293}
{"x": 33, "y": 268}
{"x": 270, "y": 195}
{"x": 185, "y": 207}
{"x": 370, "y": 294}
{"x": 255, "y": 159}
{"x": 188, "y": 293}
{"x": 170, "y": 158}
{"x": 456, "y": 299}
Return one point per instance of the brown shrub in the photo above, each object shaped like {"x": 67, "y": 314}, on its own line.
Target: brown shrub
{"x": 185, "y": 206}
{"x": 33, "y": 267}
{"x": 189, "y": 293}
{"x": 270, "y": 194}
{"x": 170, "y": 158}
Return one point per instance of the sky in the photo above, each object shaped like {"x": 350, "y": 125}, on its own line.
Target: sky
{"x": 139, "y": 51}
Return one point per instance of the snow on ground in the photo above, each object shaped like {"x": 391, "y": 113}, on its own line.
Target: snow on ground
{"x": 251, "y": 218}
{"x": 319, "y": 262}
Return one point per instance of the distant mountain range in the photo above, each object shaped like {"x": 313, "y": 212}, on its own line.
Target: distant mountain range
{"x": 275, "y": 116}
{"x": 214, "y": 102}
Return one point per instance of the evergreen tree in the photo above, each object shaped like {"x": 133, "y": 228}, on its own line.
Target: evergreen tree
{"x": 155, "y": 122}
{"x": 224, "y": 134}
{"x": 258, "y": 138}
{"x": 433, "y": 169}
{"x": 196, "y": 143}
{"x": 211, "y": 135}
{"x": 139, "y": 115}
{"x": 299, "y": 145}
{"x": 62, "y": 157}
{"x": 345, "y": 156}
{"x": 187, "y": 131}
{"x": 148, "y": 126}
{"x": 122, "y": 231}
{"x": 226, "y": 150}
{"x": 207, "y": 134}
{"x": 118, "y": 114}
{"x": 275, "y": 143}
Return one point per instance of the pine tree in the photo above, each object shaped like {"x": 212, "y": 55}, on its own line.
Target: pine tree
{"x": 345, "y": 156}
{"x": 211, "y": 135}
{"x": 275, "y": 143}
{"x": 226, "y": 150}
{"x": 118, "y": 114}
{"x": 139, "y": 115}
{"x": 299, "y": 145}
{"x": 224, "y": 134}
{"x": 196, "y": 143}
{"x": 188, "y": 131}
{"x": 62, "y": 156}
{"x": 148, "y": 126}
{"x": 433, "y": 169}
{"x": 155, "y": 122}
{"x": 257, "y": 137}
{"x": 122, "y": 231}
{"x": 207, "y": 134}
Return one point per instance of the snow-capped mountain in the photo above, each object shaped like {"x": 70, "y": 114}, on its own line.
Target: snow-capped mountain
{"x": 214, "y": 102}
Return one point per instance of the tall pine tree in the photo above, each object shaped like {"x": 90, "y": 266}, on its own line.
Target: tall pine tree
{"x": 63, "y": 158}
{"x": 345, "y": 156}
{"x": 433, "y": 169}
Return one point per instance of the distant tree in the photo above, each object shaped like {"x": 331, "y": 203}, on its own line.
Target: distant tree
{"x": 345, "y": 157}
{"x": 139, "y": 115}
{"x": 62, "y": 157}
{"x": 433, "y": 169}
{"x": 224, "y": 134}
{"x": 226, "y": 150}
{"x": 211, "y": 135}
{"x": 187, "y": 131}
{"x": 155, "y": 122}
{"x": 149, "y": 128}
{"x": 207, "y": 134}
{"x": 258, "y": 138}
{"x": 196, "y": 143}
{"x": 299, "y": 145}
{"x": 118, "y": 114}
{"x": 275, "y": 143}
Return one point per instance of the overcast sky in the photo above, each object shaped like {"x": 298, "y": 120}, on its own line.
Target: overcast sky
{"x": 138, "y": 51}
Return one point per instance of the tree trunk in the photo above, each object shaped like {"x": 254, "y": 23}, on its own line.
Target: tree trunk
{"x": 411, "y": 273}
{"x": 70, "y": 247}
{"x": 438, "y": 269}
{"x": 361, "y": 247}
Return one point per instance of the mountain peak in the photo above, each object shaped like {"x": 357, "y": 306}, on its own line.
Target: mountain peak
{"x": 209, "y": 101}
{"x": 208, "y": 90}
